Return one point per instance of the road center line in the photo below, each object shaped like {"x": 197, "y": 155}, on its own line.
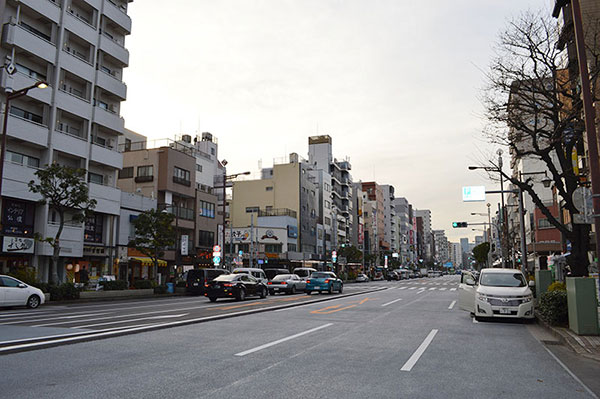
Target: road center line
{"x": 258, "y": 348}
{"x": 389, "y": 303}
{"x": 419, "y": 352}
{"x": 452, "y": 305}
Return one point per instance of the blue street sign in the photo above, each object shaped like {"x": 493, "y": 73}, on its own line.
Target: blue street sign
{"x": 569, "y": 246}
{"x": 240, "y": 253}
{"x": 216, "y": 260}
{"x": 260, "y": 261}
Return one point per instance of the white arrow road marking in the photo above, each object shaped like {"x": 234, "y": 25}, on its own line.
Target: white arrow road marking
{"x": 419, "y": 352}
{"x": 258, "y": 348}
{"x": 452, "y": 305}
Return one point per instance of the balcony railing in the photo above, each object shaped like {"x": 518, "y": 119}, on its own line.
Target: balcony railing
{"x": 277, "y": 212}
{"x": 181, "y": 181}
{"x": 179, "y": 212}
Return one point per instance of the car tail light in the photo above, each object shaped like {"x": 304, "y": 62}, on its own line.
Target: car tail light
{"x": 227, "y": 285}
{"x": 327, "y": 281}
{"x": 270, "y": 283}
{"x": 307, "y": 281}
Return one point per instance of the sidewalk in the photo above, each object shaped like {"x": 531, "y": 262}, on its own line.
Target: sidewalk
{"x": 584, "y": 345}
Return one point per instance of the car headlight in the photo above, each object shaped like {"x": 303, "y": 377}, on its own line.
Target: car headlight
{"x": 482, "y": 297}
{"x": 527, "y": 298}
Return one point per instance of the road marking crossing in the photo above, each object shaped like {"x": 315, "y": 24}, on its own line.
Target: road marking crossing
{"x": 389, "y": 303}
{"x": 452, "y": 305}
{"x": 432, "y": 289}
{"x": 442, "y": 289}
{"x": 258, "y": 348}
{"x": 410, "y": 363}
{"x": 412, "y": 288}
{"x": 452, "y": 289}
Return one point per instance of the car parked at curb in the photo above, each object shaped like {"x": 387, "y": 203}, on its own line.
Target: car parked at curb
{"x": 258, "y": 274}
{"x": 304, "y": 272}
{"x": 14, "y": 292}
{"x": 362, "y": 278}
{"x": 237, "y": 286}
{"x": 287, "y": 283}
{"x": 270, "y": 273}
{"x": 497, "y": 293}
{"x": 393, "y": 276}
{"x": 324, "y": 281}
{"x": 196, "y": 280}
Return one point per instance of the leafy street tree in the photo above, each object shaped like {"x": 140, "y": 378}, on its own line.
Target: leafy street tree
{"x": 65, "y": 192}
{"x": 480, "y": 252}
{"x": 154, "y": 232}
{"x": 351, "y": 253}
{"x": 533, "y": 106}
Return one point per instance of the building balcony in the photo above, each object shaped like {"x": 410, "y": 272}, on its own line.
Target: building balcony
{"x": 108, "y": 198}
{"x": 26, "y": 130}
{"x": 16, "y": 179}
{"x": 19, "y": 80}
{"x": 74, "y": 104}
{"x": 70, "y": 144}
{"x": 108, "y": 119}
{"x": 114, "y": 49}
{"x": 81, "y": 28}
{"x": 47, "y": 8}
{"x": 118, "y": 15}
{"x": 17, "y": 36}
{"x": 107, "y": 156}
{"x": 71, "y": 240}
{"x": 77, "y": 66}
{"x": 111, "y": 84}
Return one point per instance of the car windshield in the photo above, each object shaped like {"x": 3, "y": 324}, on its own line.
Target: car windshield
{"x": 226, "y": 277}
{"x": 282, "y": 277}
{"x": 502, "y": 280}
{"x": 321, "y": 275}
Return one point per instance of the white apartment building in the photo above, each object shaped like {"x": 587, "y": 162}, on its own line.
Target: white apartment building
{"x": 441, "y": 246}
{"x": 77, "y": 47}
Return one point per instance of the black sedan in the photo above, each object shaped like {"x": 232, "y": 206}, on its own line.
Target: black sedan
{"x": 236, "y": 286}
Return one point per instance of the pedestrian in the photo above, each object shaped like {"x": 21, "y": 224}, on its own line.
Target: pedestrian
{"x": 84, "y": 276}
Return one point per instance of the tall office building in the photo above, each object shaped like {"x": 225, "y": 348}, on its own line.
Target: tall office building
{"x": 78, "y": 47}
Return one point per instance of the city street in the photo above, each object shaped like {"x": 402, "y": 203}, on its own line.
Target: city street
{"x": 408, "y": 340}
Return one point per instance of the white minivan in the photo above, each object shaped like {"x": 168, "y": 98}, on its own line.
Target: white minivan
{"x": 497, "y": 293}
{"x": 258, "y": 274}
{"x": 14, "y": 292}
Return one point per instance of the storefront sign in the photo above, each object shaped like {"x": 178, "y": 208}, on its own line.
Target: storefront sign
{"x": 184, "y": 245}
{"x": 18, "y": 245}
{"x": 94, "y": 251}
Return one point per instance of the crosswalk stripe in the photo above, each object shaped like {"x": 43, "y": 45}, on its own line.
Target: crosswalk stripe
{"x": 452, "y": 289}
{"x": 402, "y": 288}
{"x": 412, "y": 288}
{"x": 432, "y": 289}
{"x": 442, "y": 289}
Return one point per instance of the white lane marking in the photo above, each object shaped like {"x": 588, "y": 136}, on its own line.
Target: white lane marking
{"x": 412, "y": 288}
{"x": 53, "y": 318}
{"x": 419, "y": 352}
{"x": 475, "y": 320}
{"x": 452, "y": 289}
{"x": 452, "y": 305}
{"x": 442, "y": 289}
{"x": 394, "y": 301}
{"x": 168, "y": 316}
{"x": 126, "y": 321}
{"x": 564, "y": 366}
{"x": 126, "y": 315}
{"x": 432, "y": 289}
{"x": 402, "y": 288}
{"x": 258, "y": 348}
{"x": 418, "y": 292}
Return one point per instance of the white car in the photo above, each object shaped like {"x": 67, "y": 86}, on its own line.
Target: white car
{"x": 497, "y": 293}
{"x": 362, "y": 278}
{"x": 16, "y": 293}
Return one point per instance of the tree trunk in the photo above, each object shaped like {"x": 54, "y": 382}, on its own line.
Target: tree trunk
{"x": 580, "y": 245}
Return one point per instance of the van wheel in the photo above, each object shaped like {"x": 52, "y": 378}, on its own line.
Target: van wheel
{"x": 308, "y": 292}
{"x": 263, "y": 293}
{"x": 33, "y": 302}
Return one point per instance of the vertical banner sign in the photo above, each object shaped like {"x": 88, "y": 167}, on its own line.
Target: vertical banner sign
{"x": 184, "y": 245}
{"x": 333, "y": 256}
{"x": 216, "y": 255}
{"x": 385, "y": 261}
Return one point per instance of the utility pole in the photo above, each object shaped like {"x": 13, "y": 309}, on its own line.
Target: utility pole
{"x": 502, "y": 212}
{"x": 251, "y": 260}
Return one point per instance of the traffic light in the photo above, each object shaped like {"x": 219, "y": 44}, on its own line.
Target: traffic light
{"x": 459, "y": 224}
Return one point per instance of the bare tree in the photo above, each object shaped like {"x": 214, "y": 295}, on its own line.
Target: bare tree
{"x": 533, "y": 106}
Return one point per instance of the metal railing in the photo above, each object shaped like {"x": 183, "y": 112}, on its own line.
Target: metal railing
{"x": 277, "y": 212}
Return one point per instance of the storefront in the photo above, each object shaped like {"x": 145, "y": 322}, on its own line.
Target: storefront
{"x": 18, "y": 244}
{"x": 140, "y": 267}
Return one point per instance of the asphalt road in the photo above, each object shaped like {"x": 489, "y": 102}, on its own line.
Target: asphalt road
{"x": 393, "y": 343}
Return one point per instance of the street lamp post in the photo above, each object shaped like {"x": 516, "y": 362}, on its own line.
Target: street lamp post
{"x": 225, "y": 178}
{"x": 9, "y": 98}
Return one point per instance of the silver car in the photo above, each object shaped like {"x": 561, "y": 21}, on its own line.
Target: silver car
{"x": 362, "y": 278}
{"x": 288, "y": 283}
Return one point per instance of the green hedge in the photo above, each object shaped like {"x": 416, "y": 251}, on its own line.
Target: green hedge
{"x": 160, "y": 289}
{"x": 117, "y": 285}
{"x": 63, "y": 291}
{"x": 553, "y": 308}
{"x": 143, "y": 284}
{"x": 557, "y": 286}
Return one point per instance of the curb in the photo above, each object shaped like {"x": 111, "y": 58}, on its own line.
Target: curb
{"x": 566, "y": 340}
{"x": 44, "y": 342}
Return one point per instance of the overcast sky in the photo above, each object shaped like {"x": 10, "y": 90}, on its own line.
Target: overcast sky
{"x": 394, "y": 82}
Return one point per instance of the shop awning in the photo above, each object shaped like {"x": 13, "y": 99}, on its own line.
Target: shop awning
{"x": 148, "y": 261}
